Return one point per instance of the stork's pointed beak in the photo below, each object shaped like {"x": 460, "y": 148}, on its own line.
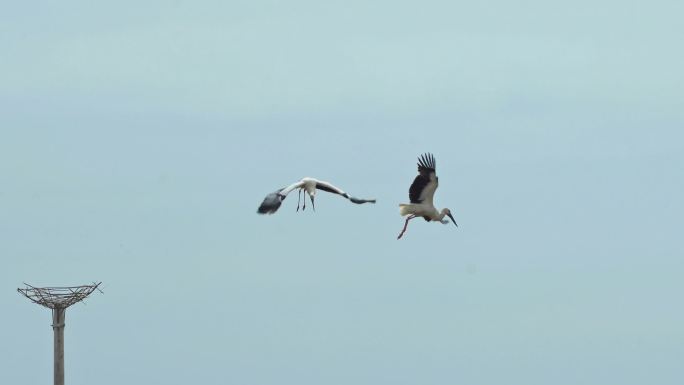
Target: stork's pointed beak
{"x": 452, "y": 219}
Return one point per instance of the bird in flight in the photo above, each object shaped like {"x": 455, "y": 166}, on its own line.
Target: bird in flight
{"x": 421, "y": 193}
{"x": 309, "y": 185}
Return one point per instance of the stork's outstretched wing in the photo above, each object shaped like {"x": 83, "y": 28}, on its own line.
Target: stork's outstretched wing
{"x": 272, "y": 202}
{"x": 326, "y": 186}
{"x": 425, "y": 184}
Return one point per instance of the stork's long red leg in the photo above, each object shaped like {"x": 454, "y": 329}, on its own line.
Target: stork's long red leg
{"x": 405, "y": 225}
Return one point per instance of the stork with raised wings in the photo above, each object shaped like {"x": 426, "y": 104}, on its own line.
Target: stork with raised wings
{"x": 309, "y": 185}
{"x": 421, "y": 193}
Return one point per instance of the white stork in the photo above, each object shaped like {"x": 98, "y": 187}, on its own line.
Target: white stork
{"x": 273, "y": 200}
{"x": 421, "y": 192}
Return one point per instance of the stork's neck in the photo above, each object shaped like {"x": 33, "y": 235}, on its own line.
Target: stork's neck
{"x": 436, "y": 215}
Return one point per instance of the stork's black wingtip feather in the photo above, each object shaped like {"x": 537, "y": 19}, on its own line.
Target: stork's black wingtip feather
{"x": 271, "y": 203}
{"x": 361, "y": 201}
{"x": 264, "y": 210}
{"x": 426, "y": 160}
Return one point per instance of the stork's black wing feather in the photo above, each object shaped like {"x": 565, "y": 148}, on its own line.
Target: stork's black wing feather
{"x": 331, "y": 190}
{"x": 426, "y": 167}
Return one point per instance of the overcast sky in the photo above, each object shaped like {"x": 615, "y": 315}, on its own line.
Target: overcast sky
{"x": 138, "y": 139}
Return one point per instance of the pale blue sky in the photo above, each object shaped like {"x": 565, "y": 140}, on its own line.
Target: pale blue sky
{"x": 137, "y": 140}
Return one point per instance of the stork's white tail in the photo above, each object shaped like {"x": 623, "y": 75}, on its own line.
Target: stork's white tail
{"x": 405, "y": 209}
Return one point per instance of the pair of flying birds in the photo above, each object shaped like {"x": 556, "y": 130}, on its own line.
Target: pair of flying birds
{"x": 421, "y": 193}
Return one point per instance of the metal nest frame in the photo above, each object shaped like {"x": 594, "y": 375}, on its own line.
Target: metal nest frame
{"x": 58, "y": 297}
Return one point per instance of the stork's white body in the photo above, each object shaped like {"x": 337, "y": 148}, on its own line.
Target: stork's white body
{"x": 426, "y": 211}
{"x": 307, "y": 184}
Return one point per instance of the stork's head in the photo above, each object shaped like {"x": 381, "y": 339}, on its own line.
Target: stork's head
{"x": 447, "y": 212}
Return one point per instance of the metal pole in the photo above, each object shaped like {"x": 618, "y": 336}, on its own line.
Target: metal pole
{"x": 58, "y": 328}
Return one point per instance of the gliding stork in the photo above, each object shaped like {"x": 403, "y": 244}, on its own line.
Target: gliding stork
{"x": 273, "y": 200}
{"x": 421, "y": 192}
